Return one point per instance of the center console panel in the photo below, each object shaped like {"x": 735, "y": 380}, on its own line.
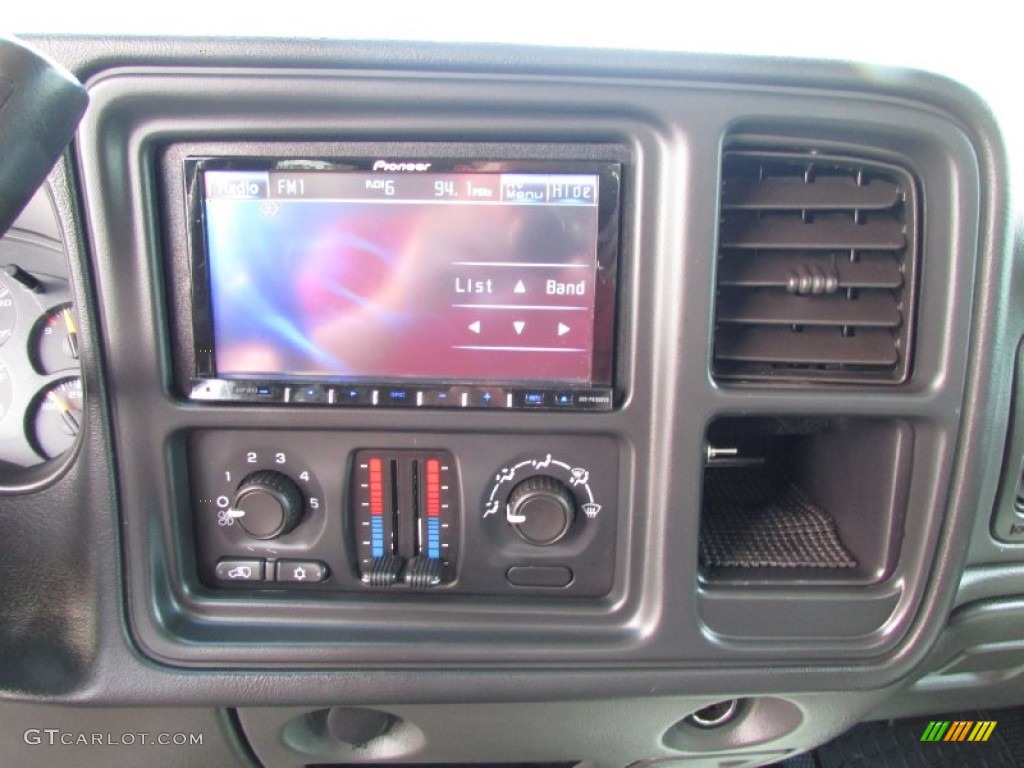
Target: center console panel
{"x": 401, "y": 277}
{"x": 301, "y": 489}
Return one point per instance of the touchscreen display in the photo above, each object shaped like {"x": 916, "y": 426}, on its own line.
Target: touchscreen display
{"x": 468, "y": 277}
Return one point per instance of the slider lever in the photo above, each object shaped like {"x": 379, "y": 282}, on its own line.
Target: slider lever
{"x": 383, "y": 571}
{"x": 423, "y": 572}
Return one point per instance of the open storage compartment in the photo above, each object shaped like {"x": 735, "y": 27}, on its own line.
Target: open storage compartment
{"x": 798, "y": 499}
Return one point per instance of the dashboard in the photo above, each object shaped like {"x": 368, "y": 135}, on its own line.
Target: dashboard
{"x": 385, "y": 404}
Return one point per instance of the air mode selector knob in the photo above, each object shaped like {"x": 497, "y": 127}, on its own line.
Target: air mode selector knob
{"x": 270, "y": 504}
{"x": 541, "y": 509}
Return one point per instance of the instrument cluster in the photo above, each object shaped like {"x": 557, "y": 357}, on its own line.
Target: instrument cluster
{"x": 40, "y": 378}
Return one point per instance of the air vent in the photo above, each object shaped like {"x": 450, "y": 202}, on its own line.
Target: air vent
{"x": 816, "y": 269}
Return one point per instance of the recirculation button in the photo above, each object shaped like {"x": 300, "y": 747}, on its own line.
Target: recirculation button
{"x": 234, "y": 569}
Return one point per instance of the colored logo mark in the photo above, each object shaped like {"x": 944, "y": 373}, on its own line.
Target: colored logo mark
{"x": 958, "y": 730}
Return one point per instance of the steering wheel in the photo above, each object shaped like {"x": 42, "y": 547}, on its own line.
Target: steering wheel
{"x": 40, "y": 106}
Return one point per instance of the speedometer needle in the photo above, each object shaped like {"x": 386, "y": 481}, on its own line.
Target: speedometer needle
{"x": 65, "y": 412}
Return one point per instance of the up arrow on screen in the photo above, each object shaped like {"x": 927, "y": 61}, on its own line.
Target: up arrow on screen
{"x": 519, "y": 325}
{"x": 520, "y": 288}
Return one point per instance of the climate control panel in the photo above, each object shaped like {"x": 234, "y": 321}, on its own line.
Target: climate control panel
{"x": 401, "y": 514}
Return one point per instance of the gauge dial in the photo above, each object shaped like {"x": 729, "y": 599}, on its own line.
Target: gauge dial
{"x": 6, "y": 391}
{"x": 8, "y": 312}
{"x": 55, "y": 418}
{"x": 55, "y": 341}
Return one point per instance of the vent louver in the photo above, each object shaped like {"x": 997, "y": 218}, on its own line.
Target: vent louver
{"x": 816, "y": 269}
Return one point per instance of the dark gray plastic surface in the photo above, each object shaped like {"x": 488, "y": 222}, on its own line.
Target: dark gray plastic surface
{"x": 673, "y": 114}
{"x": 540, "y": 732}
{"x": 979, "y": 662}
{"x": 1008, "y": 518}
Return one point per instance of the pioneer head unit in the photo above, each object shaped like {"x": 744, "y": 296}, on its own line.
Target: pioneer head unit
{"x": 404, "y": 281}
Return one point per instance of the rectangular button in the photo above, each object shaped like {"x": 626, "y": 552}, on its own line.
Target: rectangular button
{"x": 232, "y": 569}
{"x": 268, "y": 391}
{"x": 439, "y": 398}
{"x": 488, "y": 398}
{"x": 308, "y": 393}
{"x": 535, "y": 399}
{"x": 539, "y": 576}
{"x": 398, "y": 396}
{"x": 353, "y": 395}
{"x": 300, "y": 571}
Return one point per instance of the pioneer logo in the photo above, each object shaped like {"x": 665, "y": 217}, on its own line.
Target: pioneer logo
{"x": 384, "y": 165}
